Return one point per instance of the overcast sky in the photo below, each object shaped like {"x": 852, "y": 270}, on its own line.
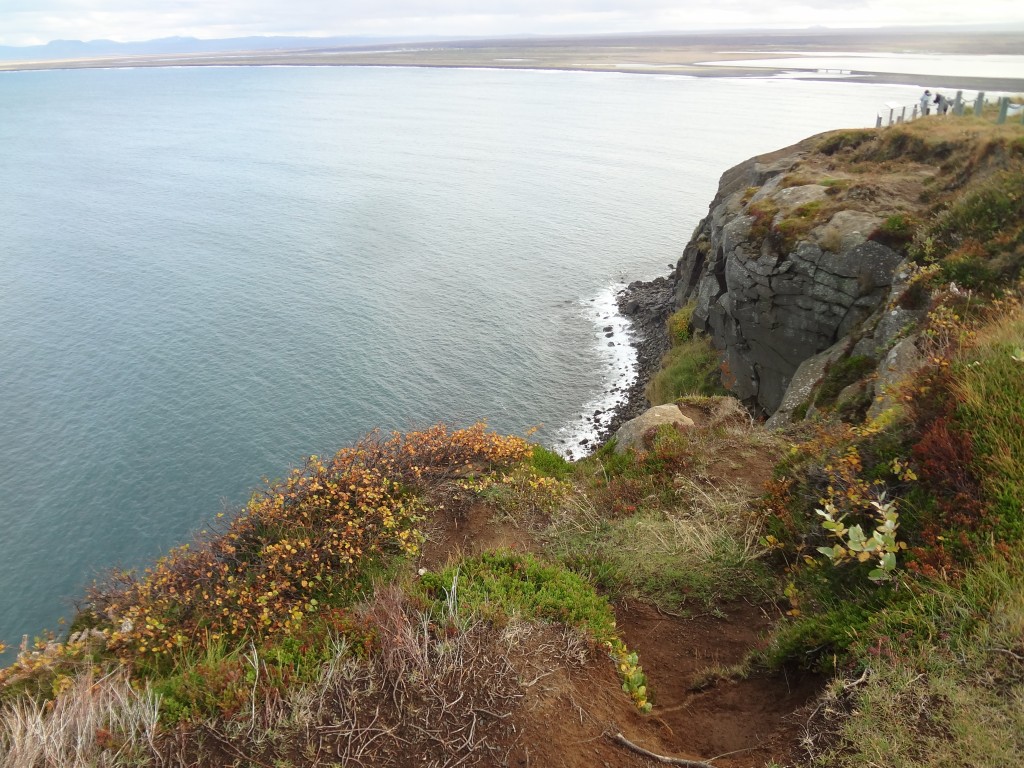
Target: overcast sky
{"x": 28, "y": 22}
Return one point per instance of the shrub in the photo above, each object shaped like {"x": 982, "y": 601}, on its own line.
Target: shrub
{"x": 678, "y": 324}
{"x": 835, "y": 142}
{"x": 311, "y": 540}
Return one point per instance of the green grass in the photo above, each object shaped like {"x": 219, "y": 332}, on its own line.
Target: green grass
{"x": 939, "y": 681}
{"x": 678, "y": 324}
{"x": 897, "y": 232}
{"x": 547, "y": 463}
{"x": 990, "y": 386}
{"x": 689, "y": 368}
{"x": 501, "y": 585}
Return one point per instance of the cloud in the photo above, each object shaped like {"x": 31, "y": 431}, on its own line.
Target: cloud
{"x": 36, "y": 21}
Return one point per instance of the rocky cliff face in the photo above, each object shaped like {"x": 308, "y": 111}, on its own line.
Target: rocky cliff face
{"x": 798, "y": 251}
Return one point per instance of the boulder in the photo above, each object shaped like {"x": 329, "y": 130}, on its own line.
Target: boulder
{"x": 902, "y": 361}
{"x": 631, "y": 434}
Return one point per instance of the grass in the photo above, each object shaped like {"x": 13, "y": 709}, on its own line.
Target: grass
{"x": 106, "y": 721}
{"x": 938, "y": 682}
{"x": 990, "y": 387}
{"x": 842, "y": 140}
{"x": 502, "y": 585}
{"x": 690, "y": 368}
{"x": 840, "y": 375}
{"x": 669, "y": 525}
{"x": 796, "y": 225}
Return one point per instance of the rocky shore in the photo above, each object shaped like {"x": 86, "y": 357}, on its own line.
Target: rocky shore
{"x": 648, "y": 305}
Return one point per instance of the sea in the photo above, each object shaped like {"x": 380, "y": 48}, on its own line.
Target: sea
{"x": 209, "y": 273}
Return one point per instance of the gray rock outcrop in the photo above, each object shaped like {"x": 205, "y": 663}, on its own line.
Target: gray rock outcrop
{"x": 779, "y": 274}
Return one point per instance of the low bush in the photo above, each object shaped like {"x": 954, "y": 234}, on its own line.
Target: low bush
{"x": 310, "y": 541}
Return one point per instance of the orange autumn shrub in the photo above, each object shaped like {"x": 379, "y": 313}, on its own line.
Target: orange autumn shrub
{"x": 299, "y": 545}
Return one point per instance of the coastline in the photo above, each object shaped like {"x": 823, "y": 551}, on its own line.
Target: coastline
{"x": 722, "y": 54}
{"x": 648, "y": 305}
{"x": 986, "y": 84}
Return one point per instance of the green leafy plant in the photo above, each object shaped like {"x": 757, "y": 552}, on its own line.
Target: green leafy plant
{"x": 855, "y": 544}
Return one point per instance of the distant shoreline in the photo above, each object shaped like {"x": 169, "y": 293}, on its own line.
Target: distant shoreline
{"x": 675, "y": 55}
{"x": 987, "y": 84}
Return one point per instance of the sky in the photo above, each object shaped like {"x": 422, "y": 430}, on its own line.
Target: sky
{"x": 32, "y": 22}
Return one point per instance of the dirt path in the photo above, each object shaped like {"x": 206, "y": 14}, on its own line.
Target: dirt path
{"x": 742, "y": 723}
{"x": 568, "y": 711}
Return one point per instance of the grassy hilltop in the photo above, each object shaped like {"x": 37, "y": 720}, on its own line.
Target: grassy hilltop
{"x": 844, "y": 591}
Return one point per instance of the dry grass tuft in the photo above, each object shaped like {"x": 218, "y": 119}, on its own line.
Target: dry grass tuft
{"x": 103, "y": 722}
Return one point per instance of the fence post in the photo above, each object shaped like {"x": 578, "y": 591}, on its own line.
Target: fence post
{"x": 1004, "y": 105}
{"x": 913, "y": 115}
{"x": 892, "y": 111}
{"x": 958, "y": 104}
{"x": 979, "y": 104}
{"x": 878, "y": 121}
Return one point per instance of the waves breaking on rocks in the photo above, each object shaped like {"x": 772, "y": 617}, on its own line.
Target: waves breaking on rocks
{"x": 631, "y": 337}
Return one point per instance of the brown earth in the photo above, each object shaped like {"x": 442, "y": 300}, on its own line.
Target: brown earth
{"x": 569, "y": 711}
{"x": 568, "y": 718}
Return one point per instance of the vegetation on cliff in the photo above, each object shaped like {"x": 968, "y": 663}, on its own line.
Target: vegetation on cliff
{"x": 847, "y": 590}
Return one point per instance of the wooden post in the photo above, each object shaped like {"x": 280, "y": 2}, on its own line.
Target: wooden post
{"x": 903, "y": 116}
{"x": 892, "y": 111}
{"x": 958, "y": 104}
{"x": 913, "y": 115}
{"x": 979, "y": 104}
{"x": 1004, "y": 105}
{"x": 878, "y": 121}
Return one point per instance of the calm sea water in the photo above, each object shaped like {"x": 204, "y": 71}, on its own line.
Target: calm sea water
{"x": 206, "y": 274}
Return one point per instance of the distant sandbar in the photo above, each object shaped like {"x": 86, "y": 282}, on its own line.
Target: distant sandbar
{"x": 634, "y": 54}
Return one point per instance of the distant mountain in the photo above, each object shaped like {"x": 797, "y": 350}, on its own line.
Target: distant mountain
{"x": 78, "y": 49}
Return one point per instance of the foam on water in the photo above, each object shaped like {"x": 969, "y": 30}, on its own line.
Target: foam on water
{"x": 613, "y": 347}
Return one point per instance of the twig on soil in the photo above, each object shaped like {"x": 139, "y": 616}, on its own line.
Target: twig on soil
{"x": 663, "y": 612}
{"x": 620, "y": 739}
{"x": 734, "y": 752}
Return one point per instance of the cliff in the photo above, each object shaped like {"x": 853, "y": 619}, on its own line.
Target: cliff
{"x": 801, "y": 262}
